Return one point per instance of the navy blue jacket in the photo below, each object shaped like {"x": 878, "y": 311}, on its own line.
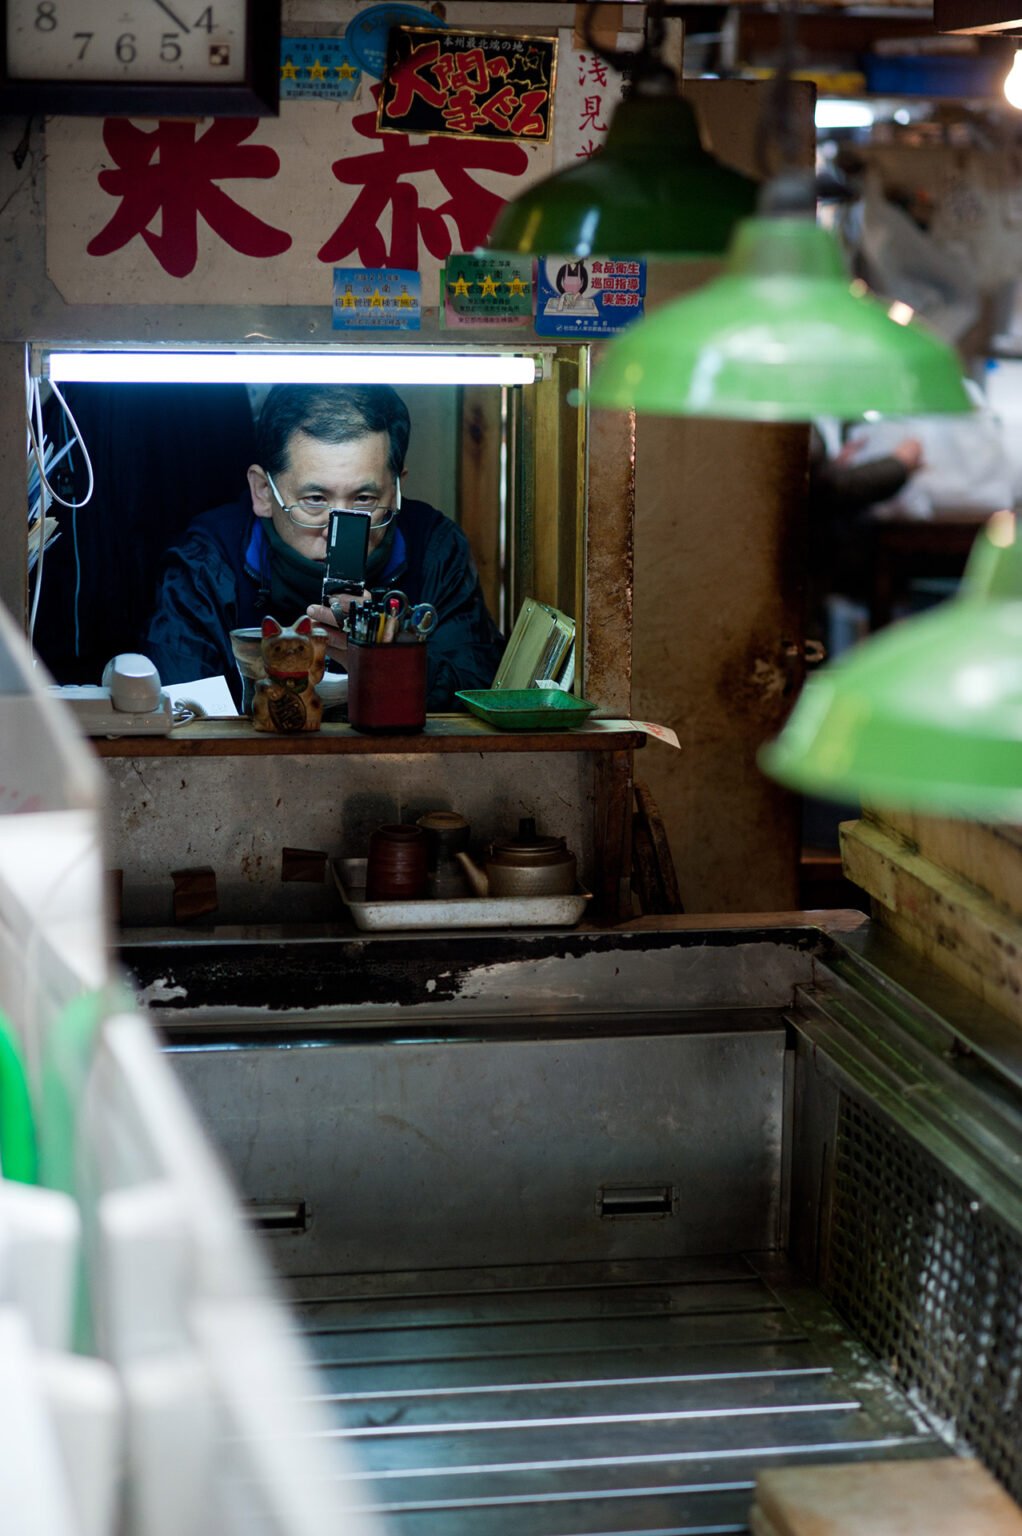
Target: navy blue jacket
{"x": 217, "y": 579}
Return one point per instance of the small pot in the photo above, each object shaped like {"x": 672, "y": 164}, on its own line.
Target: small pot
{"x": 526, "y": 865}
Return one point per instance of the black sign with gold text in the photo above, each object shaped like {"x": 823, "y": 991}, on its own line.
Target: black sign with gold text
{"x": 466, "y": 83}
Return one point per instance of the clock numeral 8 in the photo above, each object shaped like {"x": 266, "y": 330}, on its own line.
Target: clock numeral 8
{"x": 45, "y": 19}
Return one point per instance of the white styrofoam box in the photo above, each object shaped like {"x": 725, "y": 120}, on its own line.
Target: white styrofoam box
{"x": 42, "y": 1233}
{"x": 139, "y": 1126}
{"x": 142, "y": 1272}
{"x": 52, "y": 891}
{"x": 52, "y": 918}
{"x": 275, "y": 1464}
{"x": 36, "y": 1497}
{"x": 45, "y": 763}
{"x": 296, "y": 1474}
{"x": 171, "y": 1443}
{"x": 84, "y": 1399}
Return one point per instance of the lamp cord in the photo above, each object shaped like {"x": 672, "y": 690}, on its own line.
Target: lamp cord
{"x": 788, "y": 187}
{"x": 645, "y": 70}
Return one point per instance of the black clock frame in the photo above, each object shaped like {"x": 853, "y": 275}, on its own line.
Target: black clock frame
{"x": 257, "y": 95}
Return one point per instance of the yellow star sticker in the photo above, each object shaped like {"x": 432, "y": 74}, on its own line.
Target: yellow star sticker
{"x": 348, "y": 300}
{"x": 346, "y": 71}
{"x": 405, "y": 300}
{"x": 288, "y": 70}
{"x": 317, "y": 71}
{"x": 461, "y": 287}
{"x": 488, "y": 285}
{"x": 376, "y": 302}
{"x": 516, "y": 286}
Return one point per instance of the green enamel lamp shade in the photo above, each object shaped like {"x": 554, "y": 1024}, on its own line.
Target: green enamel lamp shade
{"x": 782, "y": 335}
{"x": 927, "y": 715}
{"x": 651, "y": 190}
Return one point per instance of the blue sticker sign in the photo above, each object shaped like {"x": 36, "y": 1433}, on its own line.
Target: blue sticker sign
{"x": 367, "y": 33}
{"x": 591, "y": 296}
{"x": 376, "y": 298}
{"x": 318, "y": 68}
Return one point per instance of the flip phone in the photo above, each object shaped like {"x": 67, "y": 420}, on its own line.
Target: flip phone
{"x": 347, "y": 550}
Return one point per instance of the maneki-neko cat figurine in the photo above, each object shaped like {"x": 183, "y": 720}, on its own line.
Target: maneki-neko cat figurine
{"x": 285, "y": 699}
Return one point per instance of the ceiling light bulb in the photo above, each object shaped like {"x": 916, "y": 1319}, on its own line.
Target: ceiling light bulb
{"x": 1013, "y": 84}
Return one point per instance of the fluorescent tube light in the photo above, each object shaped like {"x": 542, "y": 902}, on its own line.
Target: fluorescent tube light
{"x": 138, "y": 366}
{"x": 834, "y": 112}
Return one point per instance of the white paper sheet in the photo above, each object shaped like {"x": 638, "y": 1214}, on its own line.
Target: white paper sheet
{"x": 211, "y": 694}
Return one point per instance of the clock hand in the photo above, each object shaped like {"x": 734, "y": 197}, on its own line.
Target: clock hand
{"x": 175, "y": 19}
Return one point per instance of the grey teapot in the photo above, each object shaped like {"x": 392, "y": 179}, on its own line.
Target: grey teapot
{"x": 526, "y": 865}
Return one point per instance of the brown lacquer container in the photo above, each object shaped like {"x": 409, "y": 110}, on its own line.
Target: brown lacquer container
{"x": 397, "y": 867}
{"x": 386, "y": 686}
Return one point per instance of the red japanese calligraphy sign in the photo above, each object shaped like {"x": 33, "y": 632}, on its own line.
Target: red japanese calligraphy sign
{"x": 463, "y": 84}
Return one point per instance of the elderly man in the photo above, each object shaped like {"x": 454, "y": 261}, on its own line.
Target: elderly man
{"x": 320, "y": 447}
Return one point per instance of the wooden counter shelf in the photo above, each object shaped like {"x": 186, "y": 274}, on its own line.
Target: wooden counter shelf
{"x": 443, "y": 733}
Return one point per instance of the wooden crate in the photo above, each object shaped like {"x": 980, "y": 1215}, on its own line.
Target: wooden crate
{"x": 965, "y": 920}
{"x": 946, "y": 1497}
{"x": 986, "y": 857}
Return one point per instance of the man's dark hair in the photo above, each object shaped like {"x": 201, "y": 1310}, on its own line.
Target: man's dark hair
{"x": 333, "y": 413}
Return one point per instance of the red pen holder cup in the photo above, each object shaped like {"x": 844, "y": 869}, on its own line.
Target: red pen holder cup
{"x": 386, "y": 686}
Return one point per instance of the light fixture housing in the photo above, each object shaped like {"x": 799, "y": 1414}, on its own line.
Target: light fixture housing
{"x": 286, "y": 365}
{"x": 651, "y": 190}
{"x": 926, "y": 715}
{"x": 781, "y": 336}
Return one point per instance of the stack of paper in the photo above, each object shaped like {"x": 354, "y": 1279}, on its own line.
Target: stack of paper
{"x": 541, "y": 647}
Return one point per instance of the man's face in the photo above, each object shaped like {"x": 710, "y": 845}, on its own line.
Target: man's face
{"x": 321, "y": 476}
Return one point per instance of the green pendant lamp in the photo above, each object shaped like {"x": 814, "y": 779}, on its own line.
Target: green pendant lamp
{"x": 782, "y": 335}
{"x": 927, "y": 715}
{"x": 651, "y": 190}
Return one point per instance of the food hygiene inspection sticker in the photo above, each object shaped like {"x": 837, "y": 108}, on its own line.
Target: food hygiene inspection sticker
{"x": 376, "y": 298}
{"x": 591, "y": 297}
{"x": 487, "y": 290}
{"x": 318, "y": 68}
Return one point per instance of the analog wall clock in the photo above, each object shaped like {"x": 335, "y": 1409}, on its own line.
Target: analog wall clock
{"x": 168, "y": 58}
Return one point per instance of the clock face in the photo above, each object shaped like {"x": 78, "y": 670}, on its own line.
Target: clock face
{"x": 127, "y": 41}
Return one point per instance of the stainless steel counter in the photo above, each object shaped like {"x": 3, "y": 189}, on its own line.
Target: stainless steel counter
{"x": 584, "y": 1228}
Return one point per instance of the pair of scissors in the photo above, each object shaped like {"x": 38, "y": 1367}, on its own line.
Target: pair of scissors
{"x": 421, "y": 620}
{"x": 395, "y": 595}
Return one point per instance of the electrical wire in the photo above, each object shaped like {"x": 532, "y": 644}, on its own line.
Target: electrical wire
{"x": 47, "y": 494}
{"x": 78, "y": 575}
{"x": 69, "y": 444}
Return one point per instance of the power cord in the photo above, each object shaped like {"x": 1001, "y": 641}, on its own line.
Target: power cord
{"x": 47, "y": 494}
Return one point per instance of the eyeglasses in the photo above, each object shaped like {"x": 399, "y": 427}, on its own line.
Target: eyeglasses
{"x": 312, "y": 511}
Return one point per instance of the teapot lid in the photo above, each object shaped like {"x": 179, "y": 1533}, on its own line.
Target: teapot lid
{"x": 528, "y": 840}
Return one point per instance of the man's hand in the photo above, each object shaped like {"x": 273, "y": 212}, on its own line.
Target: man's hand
{"x": 337, "y": 640}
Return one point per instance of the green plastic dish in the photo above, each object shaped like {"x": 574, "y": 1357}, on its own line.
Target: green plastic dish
{"x": 527, "y": 709}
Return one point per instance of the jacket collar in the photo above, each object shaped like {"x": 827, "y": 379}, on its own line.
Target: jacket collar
{"x": 257, "y": 557}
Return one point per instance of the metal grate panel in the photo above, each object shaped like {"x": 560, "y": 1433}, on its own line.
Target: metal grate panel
{"x": 932, "y": 1282}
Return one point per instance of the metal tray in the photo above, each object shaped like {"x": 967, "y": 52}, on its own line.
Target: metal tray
{"x": 452, "y": 912}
